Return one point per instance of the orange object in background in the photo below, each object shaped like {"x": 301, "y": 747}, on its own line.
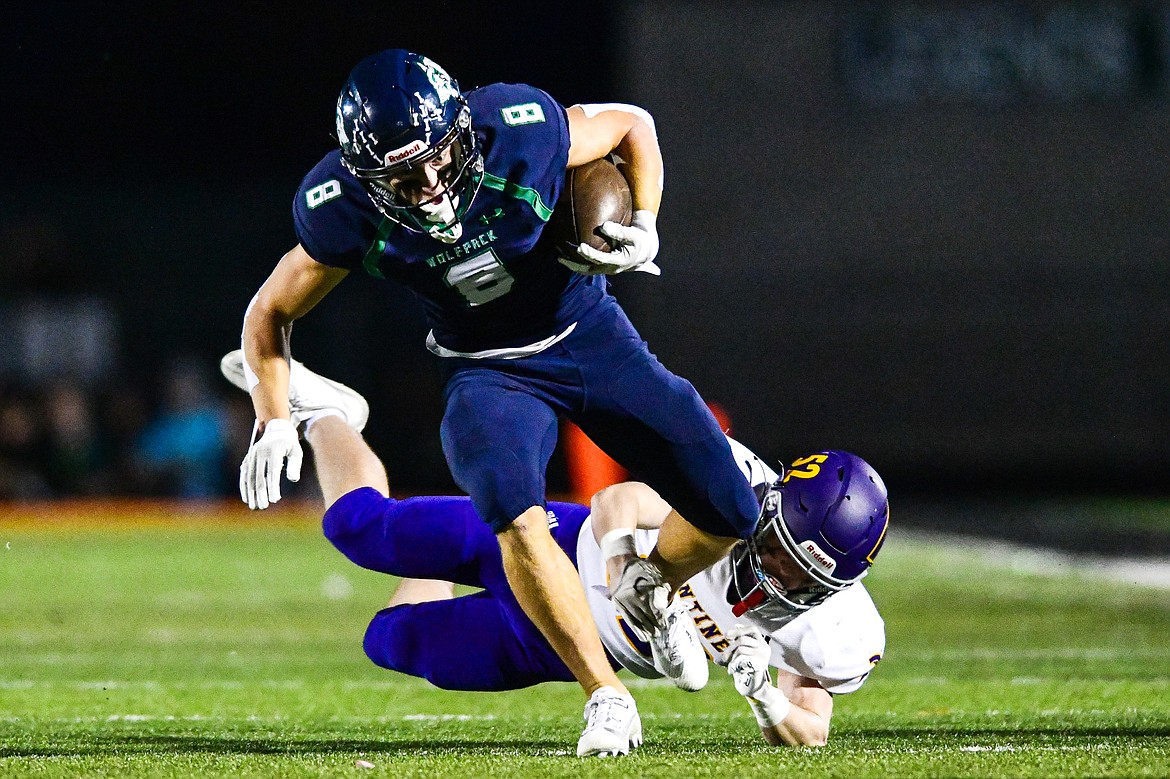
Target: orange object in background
{"x": 591, "y": 469}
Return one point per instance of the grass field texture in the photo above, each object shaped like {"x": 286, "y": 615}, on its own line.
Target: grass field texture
{"x": 232, "y": 648}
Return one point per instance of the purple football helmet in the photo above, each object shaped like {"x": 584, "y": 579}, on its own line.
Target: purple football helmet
{"x": 821, "y": 526}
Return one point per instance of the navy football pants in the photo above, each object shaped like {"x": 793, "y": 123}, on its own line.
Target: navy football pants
{"x": 481, "y": 641}
{"x": 500, "y": 426}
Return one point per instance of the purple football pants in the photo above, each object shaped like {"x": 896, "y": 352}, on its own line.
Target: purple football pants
{"x": 481, "y": 641}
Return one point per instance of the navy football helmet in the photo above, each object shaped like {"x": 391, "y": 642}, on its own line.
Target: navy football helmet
{"x": 821, "y": 526}
{"x": 398, "y": 112}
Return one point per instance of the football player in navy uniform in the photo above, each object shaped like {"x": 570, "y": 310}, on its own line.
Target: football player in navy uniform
{"x": 787, "y": 599}
{"x": 448, "y": 193}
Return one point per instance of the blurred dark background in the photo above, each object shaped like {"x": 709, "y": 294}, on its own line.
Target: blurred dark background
{"x": 932, "y": 233}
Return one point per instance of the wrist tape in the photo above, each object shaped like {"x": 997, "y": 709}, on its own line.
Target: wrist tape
{"x": 770, "y": 706}
{"x": 618, "y": 542}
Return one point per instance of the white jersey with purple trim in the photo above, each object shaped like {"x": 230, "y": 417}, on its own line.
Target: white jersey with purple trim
{"x": 836, "y": 643}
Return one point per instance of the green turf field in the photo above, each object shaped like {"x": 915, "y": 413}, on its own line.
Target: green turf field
{"x": 212, "y": 649}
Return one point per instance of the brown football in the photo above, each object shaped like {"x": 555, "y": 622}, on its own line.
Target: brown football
{"x": 594, "y": 193}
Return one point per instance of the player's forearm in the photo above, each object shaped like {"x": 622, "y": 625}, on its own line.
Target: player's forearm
{"x": 795, "y": 711}
{"x": 630, "y": 505}
{"x": 643, "y": 165}
{"x": 616, "y": 512}
{"x": 596, "y": 129}
{"x": 295, "y": 286}
{"x": 265, "y": 342}
{"x": 784, "y": 721}
{"x": 799, "y": 728}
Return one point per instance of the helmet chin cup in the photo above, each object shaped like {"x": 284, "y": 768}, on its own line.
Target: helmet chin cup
{"x": 444, "y": 223}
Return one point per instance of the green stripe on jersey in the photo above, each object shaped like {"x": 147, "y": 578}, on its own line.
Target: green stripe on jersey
{"x": 374, "y": 253}
{"x": 528, "y": 195}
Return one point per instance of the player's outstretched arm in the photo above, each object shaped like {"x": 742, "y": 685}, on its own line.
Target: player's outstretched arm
{"x": 795, "y": 711}
{"x": 807, "y": 723}
{"x": 295, "y": 286}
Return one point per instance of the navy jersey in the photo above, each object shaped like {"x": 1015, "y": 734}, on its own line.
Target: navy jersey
{"x": 499, "y": 285}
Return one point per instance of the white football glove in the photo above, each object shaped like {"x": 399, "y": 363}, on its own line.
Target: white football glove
{"x": 747, "y": 660}
{"x": 641, "y": 596}
{"x": 636, "y": 247}
{"x": 260, "y": 471}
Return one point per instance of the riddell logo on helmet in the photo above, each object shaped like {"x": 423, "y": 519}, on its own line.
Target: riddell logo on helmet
{"x": 407, "y": 151}
{"x": 815, "y": 555}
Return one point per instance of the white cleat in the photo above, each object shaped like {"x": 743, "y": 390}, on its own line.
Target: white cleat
{"x": 612, "y": 725}
{"x": 677, "y": 650}
{"x": 308, "y": 392}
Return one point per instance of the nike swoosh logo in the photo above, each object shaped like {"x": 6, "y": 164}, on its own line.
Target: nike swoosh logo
{"x": 642, "y": 583}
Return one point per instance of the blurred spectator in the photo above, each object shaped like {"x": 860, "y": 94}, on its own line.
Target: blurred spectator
{"x": 21, "y": 448}
{"x": 75, "y": 463}
{"x": 122, "y": 416}
{"x": 182, "y": 450}
{"x": 73, "y": 336}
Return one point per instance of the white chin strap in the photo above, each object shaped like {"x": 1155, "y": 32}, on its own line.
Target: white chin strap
{"x": 442, "y": 213}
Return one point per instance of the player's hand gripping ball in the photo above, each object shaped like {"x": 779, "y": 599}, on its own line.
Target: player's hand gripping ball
{"x": 594, "y": 226}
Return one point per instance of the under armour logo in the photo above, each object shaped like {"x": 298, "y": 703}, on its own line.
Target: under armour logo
{"x": 493, "y": 216}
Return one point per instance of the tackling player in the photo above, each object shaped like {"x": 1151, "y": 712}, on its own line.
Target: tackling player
{"x": 448, "y": 193}
{"x": 787, "y": 598}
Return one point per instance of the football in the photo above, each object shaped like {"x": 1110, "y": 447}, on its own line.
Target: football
{"x": 594, "y": 193}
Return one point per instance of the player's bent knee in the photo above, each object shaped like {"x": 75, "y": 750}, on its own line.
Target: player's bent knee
{"x": 350, "y": 514}
{"x": 388, "y": 644}
{"x": 406, "y": 640}
{"x": 500, "y": 484}
{"x": 731, "y": 509}
{"x": 335, "y": 526}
